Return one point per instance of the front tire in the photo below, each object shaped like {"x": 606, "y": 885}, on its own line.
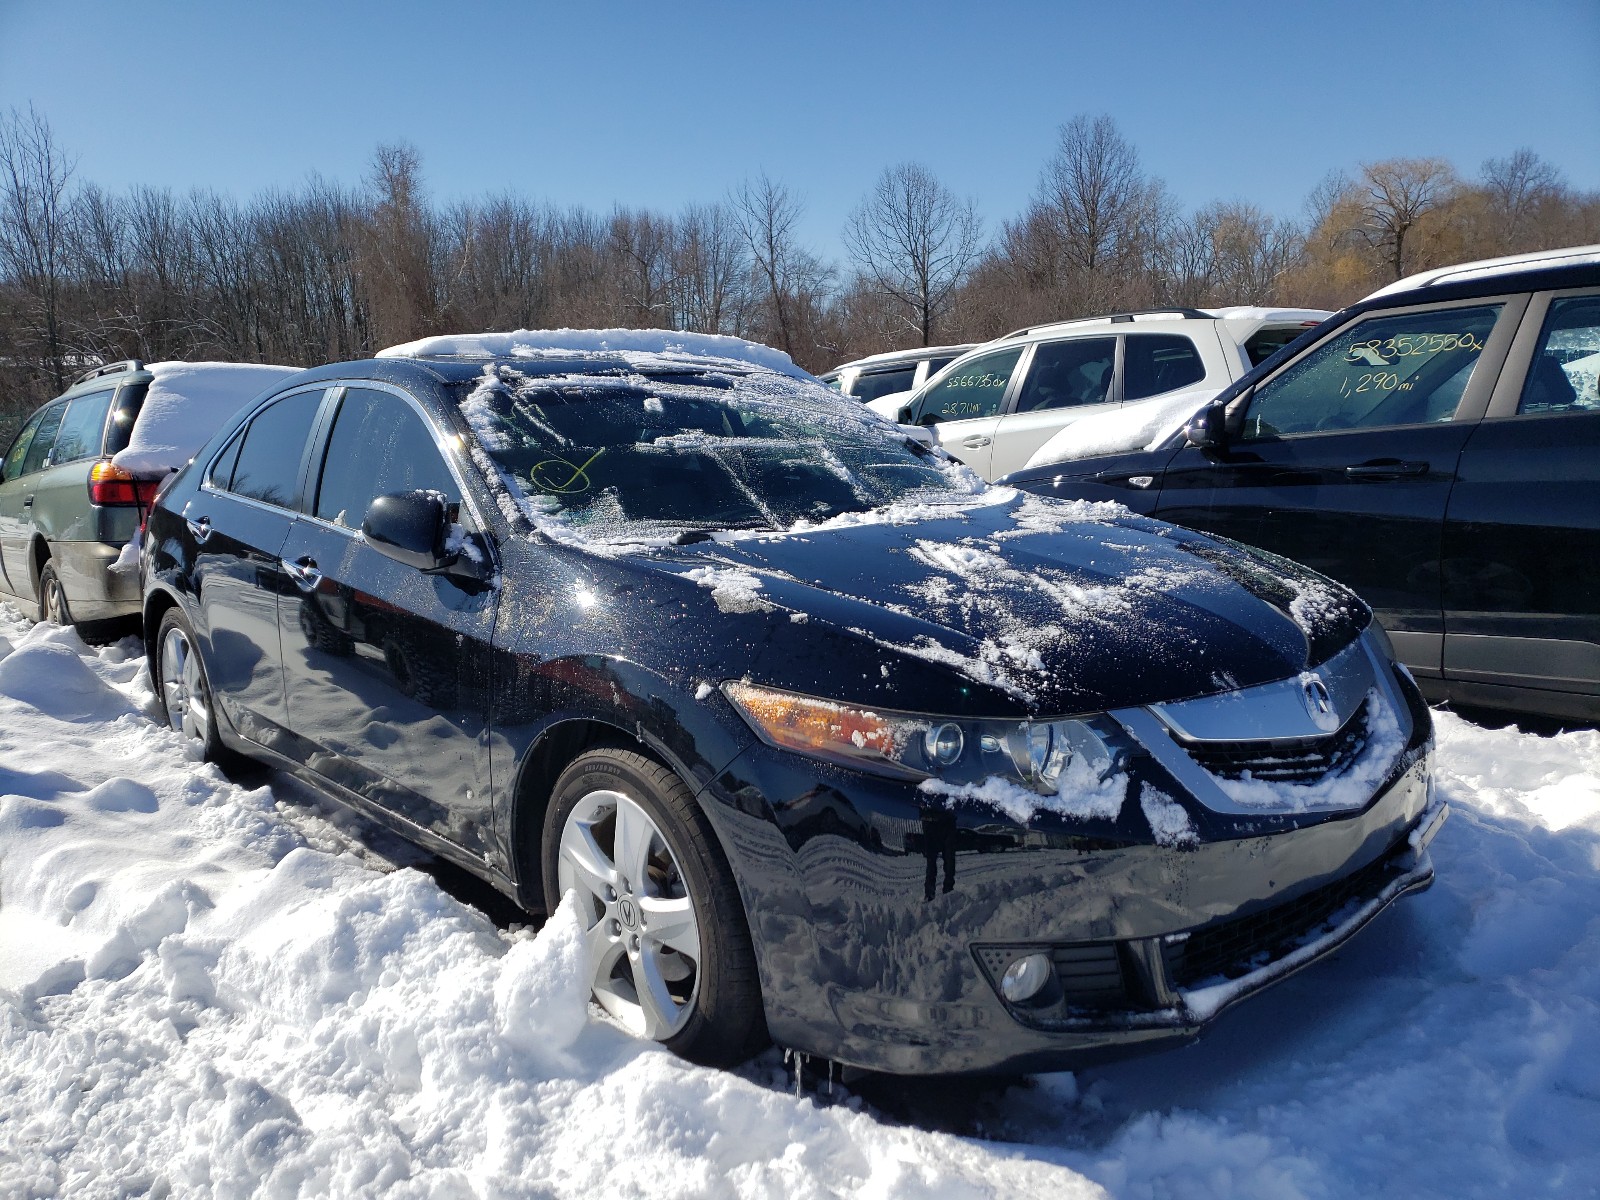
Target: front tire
{"x": 669, "y": 950}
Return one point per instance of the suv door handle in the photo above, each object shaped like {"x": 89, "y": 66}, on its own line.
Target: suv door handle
{"x": 200, "y": 530}
{"x": 975, "y": 441}
{"x": 1386, "y": 468}
{"x": 304, "y": 572}
{"x": 28, "y": 503}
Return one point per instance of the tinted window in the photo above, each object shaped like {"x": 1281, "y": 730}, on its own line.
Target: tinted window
{"x": 1264, "y": 343}
{"x": 1158, "y": 362}
{"x": 882, "y": 383}
{"x": 379, "y": 446}
{"x": 1067, "y": 374}
{"x": 44, "y": 437}
{"x": 81, "y": 429}
{"x": 1408, "y": 369}
{"x": 1566, "y": 366}
{"x": 974, "y": 390}
{"x": 269, "y": 458}
{"x": 19, "y": 448}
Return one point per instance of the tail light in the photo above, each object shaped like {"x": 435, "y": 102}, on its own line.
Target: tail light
{"x": 112, "y": 485}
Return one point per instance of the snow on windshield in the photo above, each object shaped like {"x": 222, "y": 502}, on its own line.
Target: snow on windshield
{"x": 644, "y": 455}
{"x": 187, "y": 403}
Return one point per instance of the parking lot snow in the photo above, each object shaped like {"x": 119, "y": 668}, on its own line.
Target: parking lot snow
{"x": 211, "y": 989}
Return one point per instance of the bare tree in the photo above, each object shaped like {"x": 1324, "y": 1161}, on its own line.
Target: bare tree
{"x": 768, "y": 214}
{"x": 915, "y": 240}
{"x": 1398, "y": 194}
{"x": 34, "y": 173}
{"x": 1518, "y": 187}
{"x": 712, "y": 268}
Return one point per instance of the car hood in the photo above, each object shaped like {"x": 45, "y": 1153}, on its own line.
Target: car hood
{"x": 1027, "y": 604}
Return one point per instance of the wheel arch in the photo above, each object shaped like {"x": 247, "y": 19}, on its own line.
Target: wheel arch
{"x": 156, "y": 606}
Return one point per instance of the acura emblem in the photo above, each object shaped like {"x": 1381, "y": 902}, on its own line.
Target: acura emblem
{"x": 1319, "y": 702}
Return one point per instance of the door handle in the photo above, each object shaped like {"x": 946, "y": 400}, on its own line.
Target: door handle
{"x": 200, "y": 530}
{"x": 974, "y": 441}
{"x": 304, "y": 572}
{"x": 28, "y": 503}
{"x": 1390, "y": 468}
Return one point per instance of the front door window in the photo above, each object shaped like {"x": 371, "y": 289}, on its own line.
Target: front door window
{"x": 1404, "y": 369}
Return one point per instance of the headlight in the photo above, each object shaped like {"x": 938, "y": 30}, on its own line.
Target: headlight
{"x": 917, "y": 746}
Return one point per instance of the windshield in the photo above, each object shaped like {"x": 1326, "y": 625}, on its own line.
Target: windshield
{"x": 625, "y": 457}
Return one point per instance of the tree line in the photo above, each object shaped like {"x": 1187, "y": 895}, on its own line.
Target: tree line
{"x": 329, "y": 271}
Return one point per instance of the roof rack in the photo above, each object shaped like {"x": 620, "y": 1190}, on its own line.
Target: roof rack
{"x": 1187, "y": 314}
{"x": 116, "y": 368}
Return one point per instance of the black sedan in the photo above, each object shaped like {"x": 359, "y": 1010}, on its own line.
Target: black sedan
{"x": 828, "y": 741}
{"x": 1436, "y": 448}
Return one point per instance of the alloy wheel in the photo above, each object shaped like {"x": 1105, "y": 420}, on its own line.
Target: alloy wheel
{"x": 183, "y": 687}
{"x": 641, "y": 931}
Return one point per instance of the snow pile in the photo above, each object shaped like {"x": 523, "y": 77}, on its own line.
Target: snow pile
{"x": 668, "y": 346}
{"x": 185, "y": 405}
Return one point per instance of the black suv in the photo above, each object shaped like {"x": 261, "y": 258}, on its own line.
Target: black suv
{"x": 822, "y": 737}
{"x": 1437, "y": 448}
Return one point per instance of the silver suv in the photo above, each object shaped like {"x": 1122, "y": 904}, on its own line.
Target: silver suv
{"x": 997, "y": 405}
{"x": 67, "y": 509}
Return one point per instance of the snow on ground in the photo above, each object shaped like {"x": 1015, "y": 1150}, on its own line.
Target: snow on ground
{"x": 210, "y": 988}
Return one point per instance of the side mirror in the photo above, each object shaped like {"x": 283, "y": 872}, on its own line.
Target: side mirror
{"x": 1208, "y": 428}
{"x": 410, "y": 527}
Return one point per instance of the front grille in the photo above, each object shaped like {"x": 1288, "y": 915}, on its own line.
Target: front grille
{"x": 1290, "y": 760}
{"x": 1235, "y": 947}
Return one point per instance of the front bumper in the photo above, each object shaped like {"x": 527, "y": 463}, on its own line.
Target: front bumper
{"x": 882, "y": 922}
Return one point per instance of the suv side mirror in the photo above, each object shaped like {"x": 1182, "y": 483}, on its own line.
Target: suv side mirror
{"x": 1208, "y": 428}
{"x": 410, "y": 527}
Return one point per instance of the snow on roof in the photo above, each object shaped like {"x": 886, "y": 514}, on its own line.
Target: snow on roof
{"x": 188, "y": 402}
{"x": 673, "y": 345}
{"x": 1571, "y": 256}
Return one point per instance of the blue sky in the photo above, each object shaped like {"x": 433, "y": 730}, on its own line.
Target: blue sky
{"x": 658, "y": 105}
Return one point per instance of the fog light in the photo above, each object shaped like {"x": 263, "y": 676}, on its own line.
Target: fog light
{"x": 1025, "y": 978}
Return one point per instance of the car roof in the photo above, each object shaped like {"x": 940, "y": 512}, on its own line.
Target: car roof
{"x": 1175, "y": 317}
{"x": 1471, "y": 280}
{"x": 1493, "y": 268}
{"x": 892, "y": 358}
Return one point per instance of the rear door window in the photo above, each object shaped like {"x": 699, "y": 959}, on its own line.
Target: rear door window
{"x": 1403, "y": 369}
{"x": 1154, "y": 363}
{"x": 19, "y": 448}
{"x": 1565, "y": 375}
{"x": 883, "y": 383}
{"x": 81, "y": 429}
{"x": 1069, "y": 374}
{"x": 380, "y": 445}
{"x": 974, "y": 390}
{"x": 44, "y": 437}
{"x": 268, "y": 467}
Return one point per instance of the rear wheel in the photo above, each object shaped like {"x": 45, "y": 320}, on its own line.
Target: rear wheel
{"x": 669, "y": 952}
{"x": 180, "y": 680}
{"x": 54, "y": 609}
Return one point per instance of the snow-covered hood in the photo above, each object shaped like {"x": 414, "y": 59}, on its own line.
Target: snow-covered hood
{"x": 1061, "y": 608}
